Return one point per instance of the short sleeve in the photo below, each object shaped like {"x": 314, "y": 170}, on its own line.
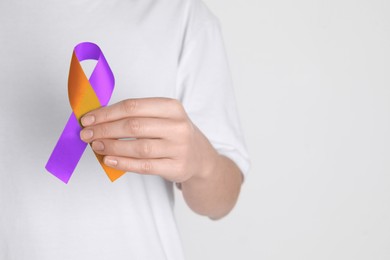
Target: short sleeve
{"x": 204, "y": 85}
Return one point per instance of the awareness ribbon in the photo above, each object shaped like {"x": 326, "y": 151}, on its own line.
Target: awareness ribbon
{"x": 84, "y": 95}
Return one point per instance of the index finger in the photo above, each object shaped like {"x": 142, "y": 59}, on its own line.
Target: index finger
{"x": 139, "y": 107}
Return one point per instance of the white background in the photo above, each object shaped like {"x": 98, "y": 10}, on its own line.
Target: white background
{"x": 312, "y": 80}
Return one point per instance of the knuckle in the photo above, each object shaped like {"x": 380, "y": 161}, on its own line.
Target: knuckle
{"x": 184, "y": 129}
{"x": 128, "y": 106}
{"x": 133, "y": 126}
{"x": 104, "y": 131}
{"x": 176, "y": 104}
{"x": 173, "y": 101}
{"x": 146, "y": 166}
{"x": 106, "y": 115}
{"x": 127, "y": 165}
{"x": 146, "y": 149}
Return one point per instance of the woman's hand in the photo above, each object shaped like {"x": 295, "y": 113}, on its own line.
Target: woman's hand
{"x": 150, "y": 136}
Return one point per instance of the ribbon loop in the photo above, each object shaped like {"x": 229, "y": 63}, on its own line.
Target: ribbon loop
{"x": 84, "y": 95}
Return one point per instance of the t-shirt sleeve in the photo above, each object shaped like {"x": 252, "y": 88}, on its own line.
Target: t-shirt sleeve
{"x": 204, "y": 85}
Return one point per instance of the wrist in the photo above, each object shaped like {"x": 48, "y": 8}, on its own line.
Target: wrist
{"x": 207, "y": 161}
{"x": 209, "y": 168}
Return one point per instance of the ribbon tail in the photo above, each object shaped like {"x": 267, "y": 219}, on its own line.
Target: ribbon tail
{"x": 67, "y": 152}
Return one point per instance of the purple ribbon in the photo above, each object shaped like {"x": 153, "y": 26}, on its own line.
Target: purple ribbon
{"x": 70, "y": 147}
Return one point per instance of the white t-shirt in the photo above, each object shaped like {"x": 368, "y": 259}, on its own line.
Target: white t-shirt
{"x": 155, "y": 49}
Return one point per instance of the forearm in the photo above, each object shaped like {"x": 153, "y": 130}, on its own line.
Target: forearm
{"x": 214, "y": 193}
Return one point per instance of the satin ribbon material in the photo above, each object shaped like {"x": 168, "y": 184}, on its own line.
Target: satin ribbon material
{"x": 84, "y": 95}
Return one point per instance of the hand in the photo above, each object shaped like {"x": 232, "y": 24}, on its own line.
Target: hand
{"x": 163, "y": 141}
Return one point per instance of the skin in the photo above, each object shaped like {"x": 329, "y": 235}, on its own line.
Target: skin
{"x": 166, "y": 143}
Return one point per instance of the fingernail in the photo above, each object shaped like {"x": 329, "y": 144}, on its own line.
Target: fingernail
{"x": 87, "y": 120}
{"x": 110, "y": 162}
{"x": 86, "y": 134}
{"x": 97, "y": 146}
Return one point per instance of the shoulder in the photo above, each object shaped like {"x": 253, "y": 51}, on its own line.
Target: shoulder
{"x": 197, "y": 18}
{"x": 199, "y": 13}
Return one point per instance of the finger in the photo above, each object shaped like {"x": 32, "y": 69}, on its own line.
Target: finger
{"x": 142, "y": 107}
{"x": 140, "y": 148}
{"x": 161, "y": 167}
{"x": 129, "y": 128}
